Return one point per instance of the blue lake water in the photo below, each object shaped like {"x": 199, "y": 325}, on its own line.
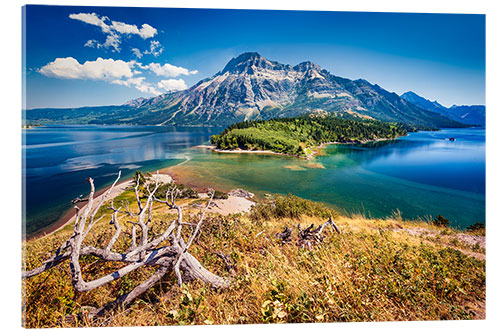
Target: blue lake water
{"x": 420, "y": 175}
{"x": 58, "y": 159}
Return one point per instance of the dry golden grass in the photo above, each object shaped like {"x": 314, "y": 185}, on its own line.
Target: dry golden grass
{"x": 373, "y": 271}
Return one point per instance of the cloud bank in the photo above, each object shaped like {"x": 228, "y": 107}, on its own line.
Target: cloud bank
{"x": 118, "y": 72}
{"x": 100, "y": 69}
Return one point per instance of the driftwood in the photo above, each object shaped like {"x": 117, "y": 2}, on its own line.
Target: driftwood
{"x": 167, "y": 251}
{"x": 309, "y": 236}
{"x": 78, "y": 199}
{"x": 285, "y": 236}
{"x": 241, "y": 193}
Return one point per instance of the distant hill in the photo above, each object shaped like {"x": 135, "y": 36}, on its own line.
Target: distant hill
{"x": 251, "y": 87}
{"x": 467, "y": 114}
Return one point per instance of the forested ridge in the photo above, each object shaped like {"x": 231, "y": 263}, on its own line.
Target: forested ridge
{"x": 296, "y": 135}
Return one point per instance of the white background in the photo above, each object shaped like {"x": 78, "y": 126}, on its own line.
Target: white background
{"x": 10, "y": 177}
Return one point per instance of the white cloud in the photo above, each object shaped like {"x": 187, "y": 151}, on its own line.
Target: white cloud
{"x": 100, "y": 69}
{"x": 124, "y": 28}
{"x": 92, "y": 19}
{"x": 137, "y": 52}
{"x": 113, "y": 30}
{"x": 172, "y": 85}
{"x": 155, "y": 48}
{"x": 139, "y": 84}
{"x": 146, "y": 31}
{"x": 93, "y": 43}
{"x": 113, "y": 40}
{"x": 129, "y": 82}
{"x": 168, "y": 70}
{"x": 118, "y": 72}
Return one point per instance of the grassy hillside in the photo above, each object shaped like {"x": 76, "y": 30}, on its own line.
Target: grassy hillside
{"x": 295, "y": 136}
{"x": 375, "y": 270}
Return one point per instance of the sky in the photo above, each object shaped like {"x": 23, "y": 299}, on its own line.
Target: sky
{"x": 88, "y": 56}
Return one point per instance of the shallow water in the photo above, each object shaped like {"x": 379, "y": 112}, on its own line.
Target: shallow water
{"x": 420, "y": 175}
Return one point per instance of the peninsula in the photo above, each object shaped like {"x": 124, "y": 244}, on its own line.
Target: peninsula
{"x": 299, "y": 135}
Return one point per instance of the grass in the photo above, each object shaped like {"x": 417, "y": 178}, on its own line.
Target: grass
{"x": 371, "y": 272}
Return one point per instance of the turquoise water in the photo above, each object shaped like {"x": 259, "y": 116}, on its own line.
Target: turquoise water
{"x": 420, "y": 175}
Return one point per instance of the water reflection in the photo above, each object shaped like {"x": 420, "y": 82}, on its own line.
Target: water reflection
{"x": 60, "y": 158}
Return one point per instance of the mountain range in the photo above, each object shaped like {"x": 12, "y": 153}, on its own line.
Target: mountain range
{"x": 252, "y": 87}
{"x": 466, "y": 114}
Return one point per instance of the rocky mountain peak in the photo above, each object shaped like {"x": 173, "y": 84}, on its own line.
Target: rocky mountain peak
{"x": 307, "y": 65}
{"x": 409, "y": 94}
{"x": 248, "y": 62}
{"x": 253, "y": 87}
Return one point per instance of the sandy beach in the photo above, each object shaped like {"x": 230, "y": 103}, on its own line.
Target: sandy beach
{"x": 232, "y": 205}
{"x": 238, "y": 151}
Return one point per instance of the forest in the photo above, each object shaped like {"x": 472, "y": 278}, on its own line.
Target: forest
{"x": 295, "y": 136}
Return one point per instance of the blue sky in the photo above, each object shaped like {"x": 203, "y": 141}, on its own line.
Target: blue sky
{"x": 79, "y": 56}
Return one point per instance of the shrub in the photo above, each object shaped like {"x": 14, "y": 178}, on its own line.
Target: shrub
{"x": 141, "y": 177}
{"x": 188, "y": 192}
{"x": 220, "y": 195}
{"x": 185, "y": 192}
{"x": 440, "y": 221}
{"x": 289, "y": 206}
{"x": 478, "y": 226}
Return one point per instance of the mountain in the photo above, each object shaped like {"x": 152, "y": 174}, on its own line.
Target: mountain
{"x": 412, "y": 97}
{"x": 466, "y": 114}
{"x": 252, "y": 87}
{"x": 469, "y": 114}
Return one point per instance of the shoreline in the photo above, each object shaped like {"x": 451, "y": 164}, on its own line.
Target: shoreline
{"x": 239, "y": 204}
{"x": 214, "y": 148}
{"x": 240, "y": 151}
{"x": 70, "y": 215}
{"x": 234, "y": 203}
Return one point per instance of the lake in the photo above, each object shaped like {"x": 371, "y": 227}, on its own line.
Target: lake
{"x": 58, "y": 159}
{"x": 420, "y": 175}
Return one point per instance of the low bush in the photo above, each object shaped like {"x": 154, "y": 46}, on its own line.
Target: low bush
{"x": 289, "y": 206}
{"x": 184, "y": 192}
{"x": 220, "y": 195}
{"x": 440, "y": 221}
{"x": 477, "y": 227}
